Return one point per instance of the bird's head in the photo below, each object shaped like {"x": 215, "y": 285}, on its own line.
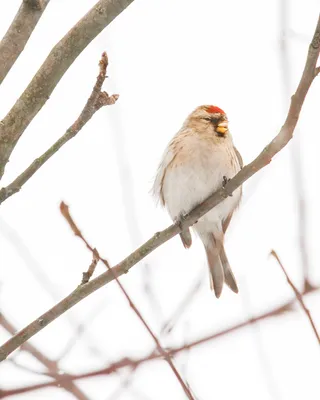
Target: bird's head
{"x": 209, "y": 119}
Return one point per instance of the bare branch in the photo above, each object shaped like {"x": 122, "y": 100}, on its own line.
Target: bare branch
{"x": 134, "y": 363}
{"x": 263, "y": 159}
{"x": 57, "y": 63}
{"x": 18, "y": 34}
{"x": 295, "y": 148}
{"x": 51, "y": 365}
{"x": 35, "y": 4}
{"x": 298, "y": 295}
{"x": 65, "y": 212}
{"x": 96, "y": 100}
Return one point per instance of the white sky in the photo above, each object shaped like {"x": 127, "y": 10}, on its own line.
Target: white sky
{"x": 166, "y": 58}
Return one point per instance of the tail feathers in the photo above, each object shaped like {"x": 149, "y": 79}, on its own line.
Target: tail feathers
{"x": 186, "y": 238}
{"x": 228, "y": 274}
{"x": 216, "y": 270}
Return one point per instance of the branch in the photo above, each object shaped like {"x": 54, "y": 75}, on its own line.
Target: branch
{"x": 65, "y": 212}
{"x": 51, "y": 365}
{"x": 52, "y": 70}
{"x": 96, "y": 100}
{"x": 298, "y": 295}
{"x": 134, "y": 363}
{"x": 263, "y": 159}
{"x": 295, "y": 149}
{"x": 18, "y": 34}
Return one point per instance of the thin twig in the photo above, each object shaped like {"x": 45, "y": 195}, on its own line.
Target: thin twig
{"x": 96, "y": 100}
{"x": 134, "y": 363}
{"x": 298, "y": 295}
{"x": 86, "y": 276}
{"x": 65, "y": 212}
{"x": 44, "y": 281}
{"x": 52, "y": 366}
{"x": 263, "y": 159}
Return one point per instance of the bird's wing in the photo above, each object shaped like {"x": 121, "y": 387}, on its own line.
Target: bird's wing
{"x": 167, "y": 159}
{"x": 238, "y": 156}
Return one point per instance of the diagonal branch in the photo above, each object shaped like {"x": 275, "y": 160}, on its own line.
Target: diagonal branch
{"x": 96, "y": 100}
{"x": 65, "y": 212}
{"x": 134, "y": 363}
{"x": 52, "y": 70}
{"x": 298, "y": 295}
{"x": 18, "y": 34}
{"x": 263, "y": 159}
{"x": 51, "y": 365}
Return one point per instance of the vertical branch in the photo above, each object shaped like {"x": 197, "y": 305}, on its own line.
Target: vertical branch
{"x": 301, "y": 216}
{"x": 130, "y": 208}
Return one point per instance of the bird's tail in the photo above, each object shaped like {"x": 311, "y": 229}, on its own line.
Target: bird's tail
{"x": 229, "y": 278}
{"x": 219, "y": 267}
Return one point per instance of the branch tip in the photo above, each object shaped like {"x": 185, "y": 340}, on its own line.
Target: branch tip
{"x": 103, "y": 64}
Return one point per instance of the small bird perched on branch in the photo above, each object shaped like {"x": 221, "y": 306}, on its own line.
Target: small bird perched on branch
{"x": 199, "y": 159}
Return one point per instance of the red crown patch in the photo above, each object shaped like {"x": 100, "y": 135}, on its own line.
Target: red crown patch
{"x": 214, "y": 109}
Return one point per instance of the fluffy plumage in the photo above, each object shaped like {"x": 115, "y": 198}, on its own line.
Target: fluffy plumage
{"x": 194, "y": 165}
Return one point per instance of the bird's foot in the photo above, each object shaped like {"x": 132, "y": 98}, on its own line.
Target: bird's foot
{"x": 180, "y": 220}
{"x": 225, "y": 180}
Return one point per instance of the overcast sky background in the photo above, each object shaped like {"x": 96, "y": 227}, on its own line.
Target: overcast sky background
{"x": 166, "y": 58}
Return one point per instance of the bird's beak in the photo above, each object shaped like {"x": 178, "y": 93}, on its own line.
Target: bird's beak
{"x": 222, "y": 127}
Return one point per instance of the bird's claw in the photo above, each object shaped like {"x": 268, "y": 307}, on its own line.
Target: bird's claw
{"x": 180, "y": 220}
{"x": 225, "y": 180}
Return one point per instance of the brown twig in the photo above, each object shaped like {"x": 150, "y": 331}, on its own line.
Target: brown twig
{"x": 96, "y": 100}
{"x": 44, "y": 281}
{"x": 86, "y": 276}
{"x": 18, "y": 34}
{"x": 134, "y": 363}
{"x": 52, "y": 70}
{"x": 51, "y": 365}
{"x": 263, "y": 159}
{"x": 298, "y": 295}
{"x": 65, "y": 212}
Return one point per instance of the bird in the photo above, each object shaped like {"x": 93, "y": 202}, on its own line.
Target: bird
{"x": 198, "y": 160}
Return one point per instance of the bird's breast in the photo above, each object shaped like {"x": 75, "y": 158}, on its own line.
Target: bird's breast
{"x": 197, "y": 169}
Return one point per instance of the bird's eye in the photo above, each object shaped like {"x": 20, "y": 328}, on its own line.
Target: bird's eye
{"x": 207, "y": 119}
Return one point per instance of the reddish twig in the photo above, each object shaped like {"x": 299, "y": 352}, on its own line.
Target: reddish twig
{"x": 96, "y": 100}
{"x": 134, "y": 363}
{"x": 298, "y": 295}
{"x": 65, "y": 212}
{"x": 86, "y": 276}
{"x": 52, "y": 366}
